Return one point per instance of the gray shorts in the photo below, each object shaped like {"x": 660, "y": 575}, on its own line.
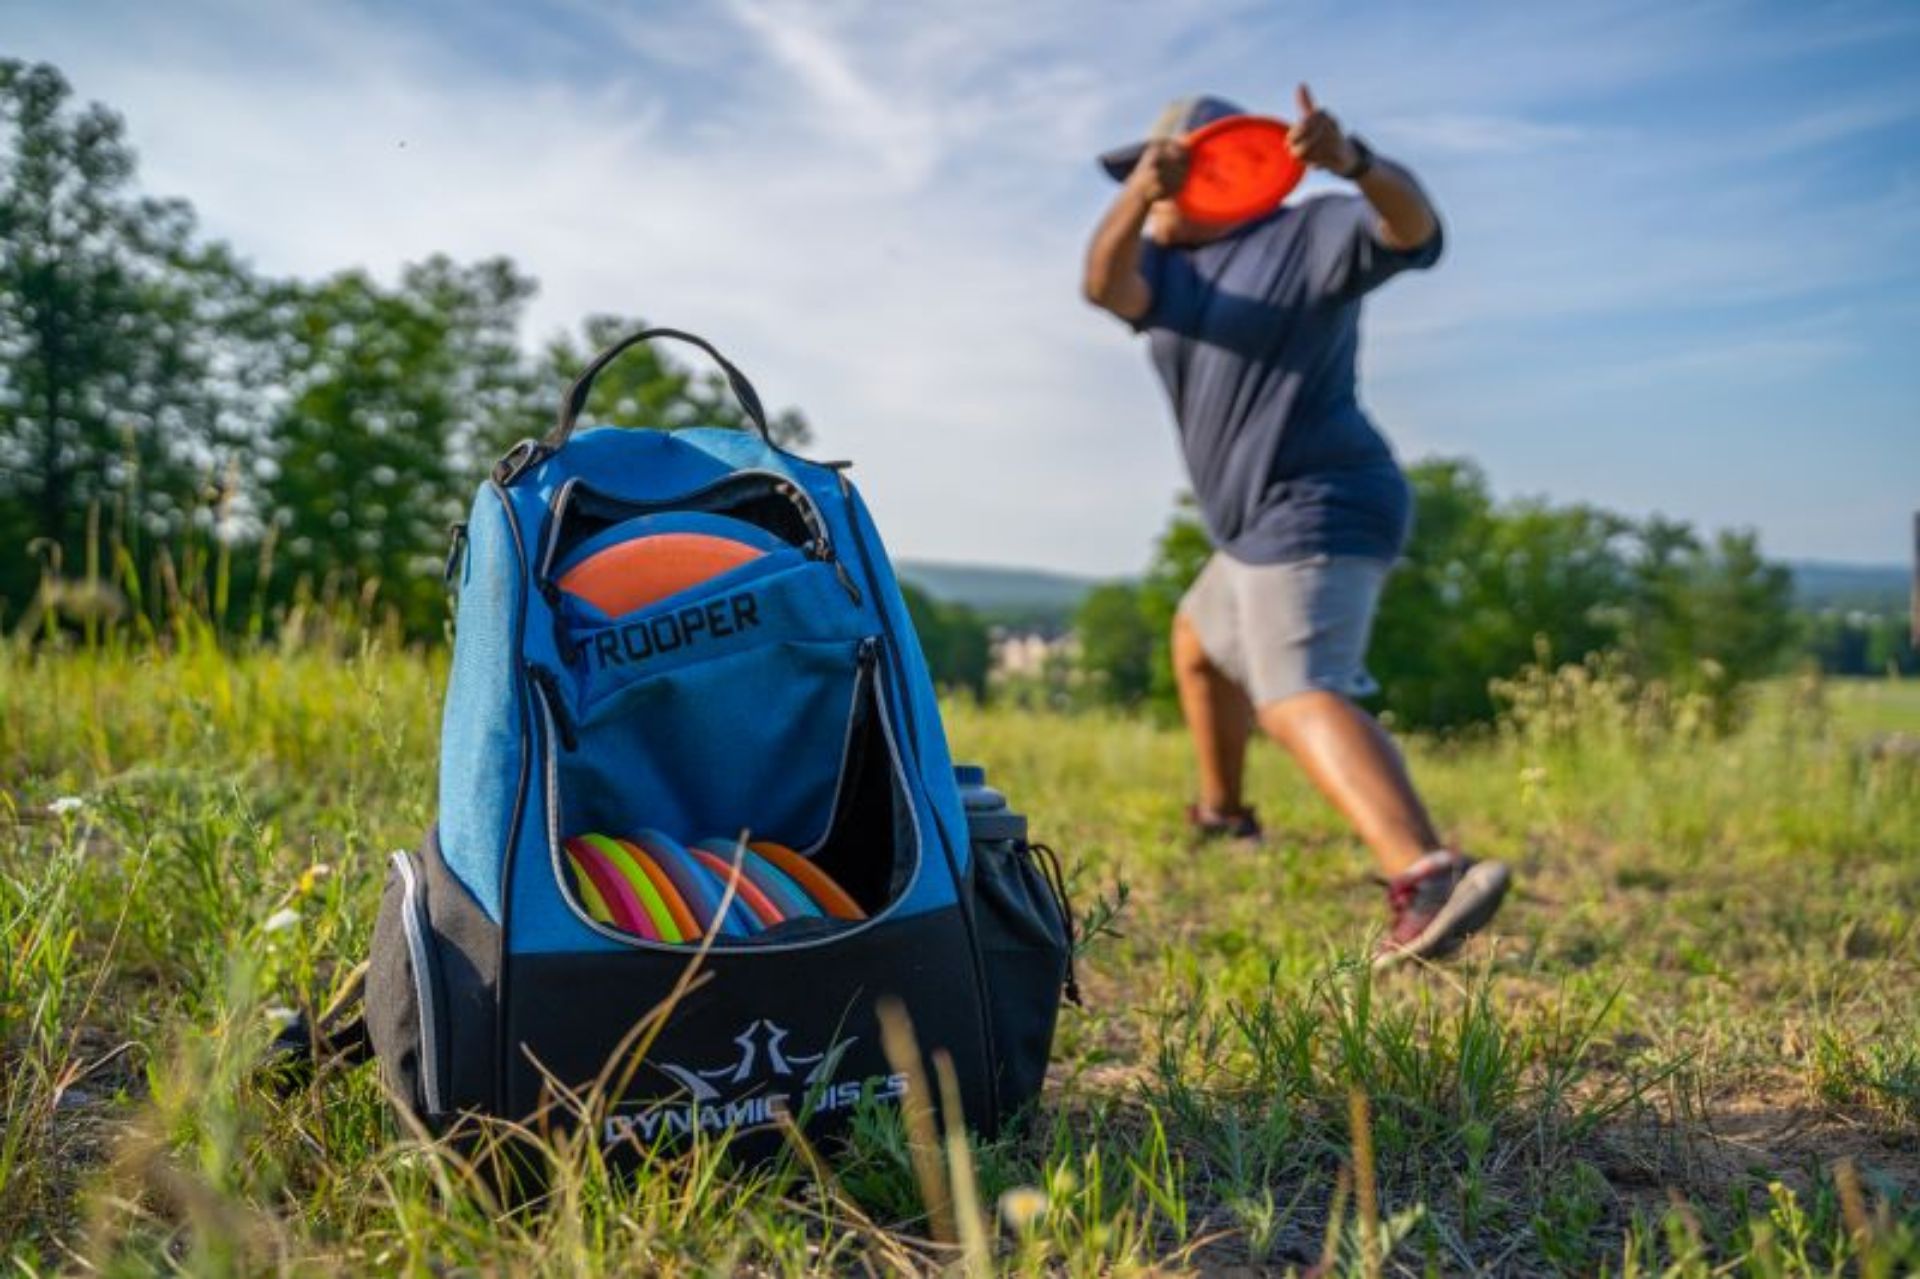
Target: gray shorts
{"x": 1281, "y": 629}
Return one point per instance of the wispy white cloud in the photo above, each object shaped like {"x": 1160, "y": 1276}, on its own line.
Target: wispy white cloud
{"x": 1831, "y": 123}
{"x": 902, "y": 133}
{"x": 879, "y": 209}
{"x": 1484, "y": 134}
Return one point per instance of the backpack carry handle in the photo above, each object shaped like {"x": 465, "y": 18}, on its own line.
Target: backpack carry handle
{"x": 576, "y": 400}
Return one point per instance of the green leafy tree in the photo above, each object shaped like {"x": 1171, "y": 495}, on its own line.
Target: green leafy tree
{"x": 1182, "y": 550}
{"x": 1744, "y": 607}
{"x": 954, "y": 640}
{"x": 1118, "y": 644}
{"x": 1889, "y": 647}
{"x": 1482, "y": 586}
{"x": 114, "y": 395}
{"x": 1857, "y": 642}
{"x": 655, "y": 384}
{"x": 1126, "y": 629}
{"x": 387, "y": 390}
{"x": 402, "y": 399}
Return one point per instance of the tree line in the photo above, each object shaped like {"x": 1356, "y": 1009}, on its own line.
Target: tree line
{"x": 1487, "y": 588}
{"x": 158, "y": 397}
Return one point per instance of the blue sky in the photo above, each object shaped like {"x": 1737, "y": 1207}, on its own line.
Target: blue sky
{"x": 1684, "y": 239}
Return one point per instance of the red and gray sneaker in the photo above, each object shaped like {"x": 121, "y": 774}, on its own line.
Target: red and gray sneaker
{"x": 1437, "y": 903}
{"x": 1241, "y": 826}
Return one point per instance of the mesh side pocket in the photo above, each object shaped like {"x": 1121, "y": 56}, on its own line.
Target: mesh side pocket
{"x": 1026, "y": 946}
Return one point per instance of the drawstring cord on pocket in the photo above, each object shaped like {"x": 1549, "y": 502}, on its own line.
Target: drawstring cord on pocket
{"x": 1049, "y": 863}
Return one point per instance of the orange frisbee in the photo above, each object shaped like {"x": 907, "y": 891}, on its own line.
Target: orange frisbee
{"x": 1237, "y": 168}
{"x": 819, "y": 885}
{"x": 633, "y": 574}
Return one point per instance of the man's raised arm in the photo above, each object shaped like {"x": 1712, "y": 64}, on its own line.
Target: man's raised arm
{"x": 1113, "y": 280}
{"x": 1407, "y": 219}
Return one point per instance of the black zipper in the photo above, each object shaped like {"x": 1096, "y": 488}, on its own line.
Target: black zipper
{"x": 562, "y": 721}
{"x": 502, "y": 1036}
{"x": 819, "y": 543}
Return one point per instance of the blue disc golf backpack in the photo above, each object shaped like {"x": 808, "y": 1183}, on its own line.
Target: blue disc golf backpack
{"x": 785, "y": 699}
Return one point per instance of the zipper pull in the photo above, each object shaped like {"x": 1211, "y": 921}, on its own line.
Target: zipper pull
{"x": 456, "y": 543}
{"x": 549, "y": 684}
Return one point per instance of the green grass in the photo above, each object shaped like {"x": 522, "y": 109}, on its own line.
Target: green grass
{"x": 1693, "y": 1046}
{"x": 1878, "y": 706}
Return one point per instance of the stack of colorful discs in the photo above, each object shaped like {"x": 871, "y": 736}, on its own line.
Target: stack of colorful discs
{"x": 661, "y": 890}
{"x": 628, "y": 888}
{"x": 771, "y": 892}
{"x": 832, "y": 899}
{"x": 643, "y": 560}
{"x": 697, "y": 885}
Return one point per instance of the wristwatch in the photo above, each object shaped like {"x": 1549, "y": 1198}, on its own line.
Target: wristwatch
{"x": 1363, "y": 160}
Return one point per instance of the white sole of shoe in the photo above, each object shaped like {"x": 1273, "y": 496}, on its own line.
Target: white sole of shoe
{"x": 1474, "y": 901}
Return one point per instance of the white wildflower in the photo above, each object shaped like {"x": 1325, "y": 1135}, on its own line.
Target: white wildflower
{"x": 66, "y": 804}
{"x": 1023, "y": 1207}
{"x": 284, "y": 918}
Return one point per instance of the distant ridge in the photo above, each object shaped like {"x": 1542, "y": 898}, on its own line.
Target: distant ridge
{"x": 1039, "y": 598}
{"x": 1863, "y": 588}
{"x": 1047, "y": 599}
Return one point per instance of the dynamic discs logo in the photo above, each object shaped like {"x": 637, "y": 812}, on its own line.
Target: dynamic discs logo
{"x": 766, "y": 1080}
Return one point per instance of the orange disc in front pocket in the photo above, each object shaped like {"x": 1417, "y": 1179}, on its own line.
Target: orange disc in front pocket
{"x": 633, "y": 574}
{"x": 817, "y": 883}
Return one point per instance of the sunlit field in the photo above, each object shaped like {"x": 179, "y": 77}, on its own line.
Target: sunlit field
{"x": 1692, "y": 1047}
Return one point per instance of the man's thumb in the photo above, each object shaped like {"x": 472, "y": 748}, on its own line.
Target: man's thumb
{"x": 1303, "y": 97}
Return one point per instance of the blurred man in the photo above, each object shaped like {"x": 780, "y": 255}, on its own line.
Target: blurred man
{"x": 1253, "y": 327}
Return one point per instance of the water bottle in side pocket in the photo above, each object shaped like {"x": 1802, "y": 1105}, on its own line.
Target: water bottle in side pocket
{"x": 1025, "y": 929}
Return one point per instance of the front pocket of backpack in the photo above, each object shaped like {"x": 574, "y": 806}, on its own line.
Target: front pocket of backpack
{"x": 789, "y": 742}
{"x": 761, "y": 1039}
{"x": 726, "y": 620}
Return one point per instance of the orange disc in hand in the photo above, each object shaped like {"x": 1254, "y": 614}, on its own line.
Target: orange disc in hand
{"x": 1239, "y": 167}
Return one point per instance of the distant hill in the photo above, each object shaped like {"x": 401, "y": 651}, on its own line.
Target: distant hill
{"x": 1026, "y": 597}
{"x": 1046, "y": 600}
{"x": 1865, "y": 588}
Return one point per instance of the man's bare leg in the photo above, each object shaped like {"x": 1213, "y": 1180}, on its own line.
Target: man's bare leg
{"x": 1220, "y": 719}
{"x": 1355, "y": 764}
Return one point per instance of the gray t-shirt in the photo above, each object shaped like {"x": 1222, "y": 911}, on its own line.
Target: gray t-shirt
{"x": 1254, "y": 336}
